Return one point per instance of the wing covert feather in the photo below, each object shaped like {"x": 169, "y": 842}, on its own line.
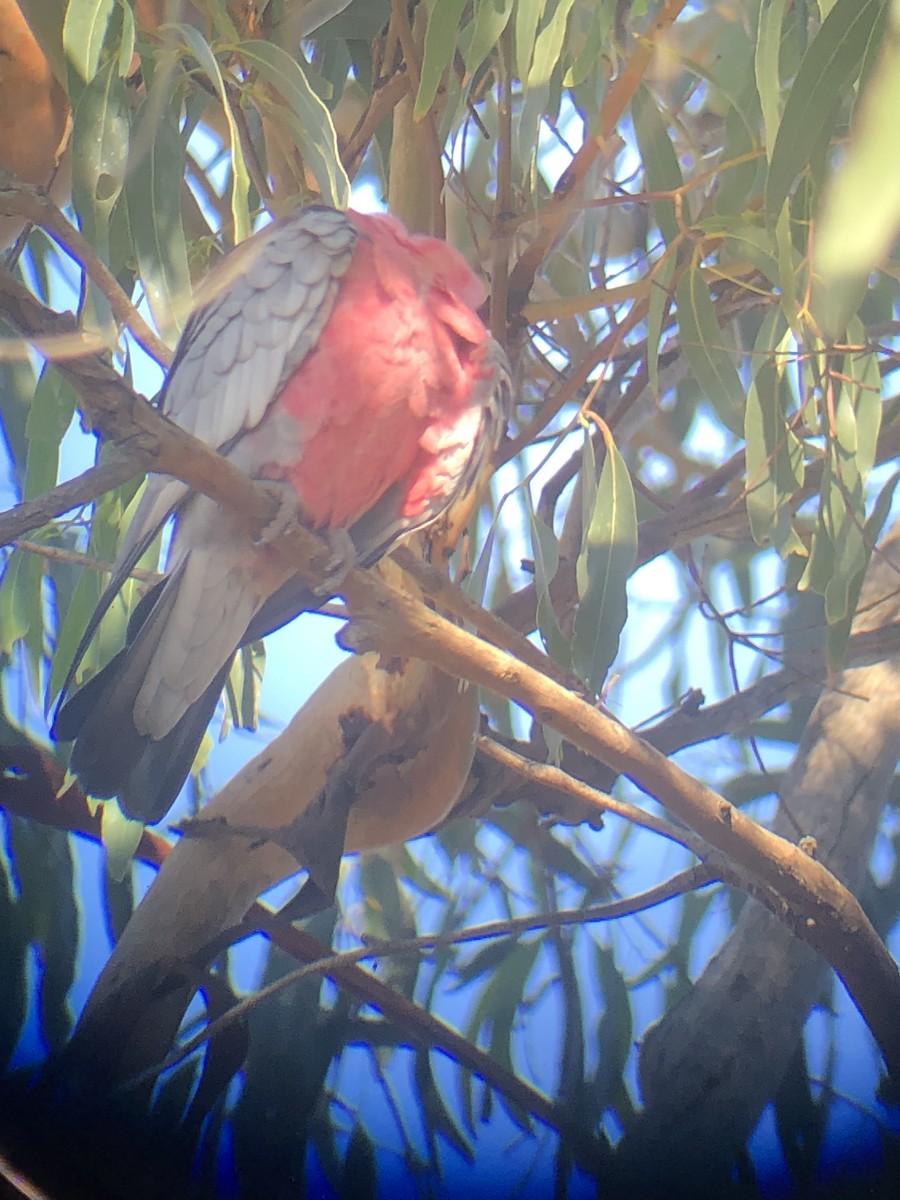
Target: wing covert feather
{"x": 268, "y": 303}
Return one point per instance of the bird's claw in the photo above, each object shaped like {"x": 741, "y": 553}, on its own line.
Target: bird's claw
{"x": 342, "y": 558}
{"x": 286, "y": 514}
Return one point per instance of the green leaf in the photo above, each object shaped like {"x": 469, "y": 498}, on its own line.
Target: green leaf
{"x": 603, "y": 568}
{"x": 21, "y": 607}
{"x": 100, "y": 137}
{"x": 839, "y": 631}
{"x": 85, "y": 31}
{"x": 548, "y": 49}
{"x": 360, "y": 1173}
{"x": 59, "y": 939}
{"x": 738, "y": 181}
{"x": 154, "y": 212}
{"x": 528, "y": 16}
{"x": 491, "y": 18}
{"x": 861, "y": 207}
{"x": 85, "y": 598}
{"x": 240, "y": 178}
{"x": 862, "y": 383}
{"x": 13, "y": 971}
{"x": 500, "y": 1001}
{"x": 703, "y": 343}
{"x": 444, "y": 17}
{"x": 120, "y": 837}
{"x": 829, "y": 65}
{"x": 657, "y": 312}
{"x": 483, "y": 962}
{"x": 615, "y": 1032}
{"x": 660, "y": 161}
{"x": 361, "y": 20}
{"x": 316, "y": 138}
{"x": 766, "y": 63}
{"x": 436, "y": 1115}
{"x": 49, "y": 417}
{"x": 754, "y": 244}
{"x": 128, "y": 38}
{"x": 590, "y": 41}
{"x": 775, "y": 468}
{"x": 545, "y": 549}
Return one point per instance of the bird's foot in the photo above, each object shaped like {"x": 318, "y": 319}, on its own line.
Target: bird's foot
{"x": 342, "y": 558}
{"x": 287, "y": 513}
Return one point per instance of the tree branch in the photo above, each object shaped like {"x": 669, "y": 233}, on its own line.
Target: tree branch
{"x": 83, "y": 489}
{"x": 24, "y": 200}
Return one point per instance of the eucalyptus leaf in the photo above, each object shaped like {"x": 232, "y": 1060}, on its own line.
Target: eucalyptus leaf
{"x": 316, "y": 137}
{"x": 603, "y": 569}
{"x": 832, "y": 60}
{"x": 704, "y": 346}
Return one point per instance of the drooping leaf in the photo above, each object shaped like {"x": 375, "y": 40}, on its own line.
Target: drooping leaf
{"x": 660, "y": 161}
{"x": 316, "y": 137}
{"x": 604, "y": 565}
{"x": 100, "y": 139}
{"x": 528, "y": 16}
{"x": 85, "y": 32}
{"x": 360, "y": 1174}
{"x": 444, "y": 18}
{"x": 657, "y": 313}
{"x": 546, "y": 563}
{"x": 437, "y": 1115}
{"x": 491, "y": 18}
{"x": 767, "y": 64}
{"x": 861, "y": 208}
{"x": 775, "y": 466}
{"x": 705, "y": 347}
{"x": 14, "y": 971}
{"x": 548, "y": 47}
{"x": 154, "y": 210}
{"x": 240, "y": 177}
{"x": 19, "y": 598}
{"x": 830, "y": 63}
{"x": 48, "y": 419}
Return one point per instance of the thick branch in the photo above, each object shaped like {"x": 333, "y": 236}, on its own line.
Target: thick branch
{"x": 712, "y": 1063}
{"x": 802, "y": 893}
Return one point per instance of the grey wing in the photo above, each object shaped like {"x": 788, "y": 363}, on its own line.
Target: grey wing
{"x": 269, "y": 302}
{"x": 264, "y": 309}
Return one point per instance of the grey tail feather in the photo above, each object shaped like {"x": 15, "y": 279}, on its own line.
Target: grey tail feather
{"x": 121, "y": 573}
{"x": 110, "y": 756}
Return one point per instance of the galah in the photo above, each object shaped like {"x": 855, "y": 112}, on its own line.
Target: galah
{"x": 341, "y": 358}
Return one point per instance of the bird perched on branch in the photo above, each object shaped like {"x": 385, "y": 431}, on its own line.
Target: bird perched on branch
{"x": 341, "y": 358}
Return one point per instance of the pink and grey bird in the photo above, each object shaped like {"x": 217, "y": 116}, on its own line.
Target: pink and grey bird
{"x": 341, "y": 357}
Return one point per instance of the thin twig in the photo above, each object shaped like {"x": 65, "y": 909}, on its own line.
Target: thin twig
{"x": 77, "y": 559}
{"x": 22, "y": 199}
{"x": 83, "y": 489}
{"x": 548, "y": 776}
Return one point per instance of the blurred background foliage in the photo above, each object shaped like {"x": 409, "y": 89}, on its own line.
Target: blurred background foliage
{"x": 685, "y": 213}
